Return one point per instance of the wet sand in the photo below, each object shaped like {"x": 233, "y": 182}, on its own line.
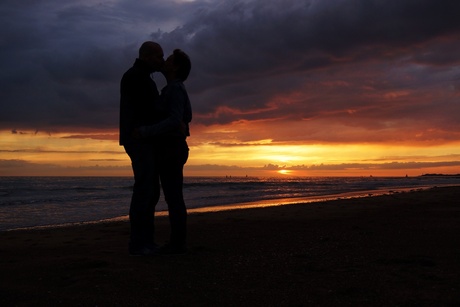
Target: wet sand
{"x": 399, "y": 249}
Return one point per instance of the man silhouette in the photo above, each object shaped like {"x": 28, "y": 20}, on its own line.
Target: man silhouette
{"x": 138, "y": 96}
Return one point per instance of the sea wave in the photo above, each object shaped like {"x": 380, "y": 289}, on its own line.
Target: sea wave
{"x": 39, "y": 201}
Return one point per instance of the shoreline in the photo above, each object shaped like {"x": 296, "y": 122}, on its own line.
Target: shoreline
{"x": 253, "y": 204}
{"x": 389, "y": 250}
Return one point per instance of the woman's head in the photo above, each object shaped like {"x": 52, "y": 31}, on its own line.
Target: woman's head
{"x": 178, "y": 64}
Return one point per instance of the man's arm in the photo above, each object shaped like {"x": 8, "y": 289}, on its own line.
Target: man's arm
{"x": 176, "y": 100}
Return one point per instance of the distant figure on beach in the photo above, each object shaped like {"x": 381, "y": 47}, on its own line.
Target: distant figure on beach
{"x": 171, "y": 149}
{"x": 138, "y": 98}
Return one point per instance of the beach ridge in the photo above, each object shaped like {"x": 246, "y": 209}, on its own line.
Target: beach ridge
{"x": 393, "y": 249}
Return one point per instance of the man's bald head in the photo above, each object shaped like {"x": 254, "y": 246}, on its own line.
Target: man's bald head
{"x": 152, "y": 54}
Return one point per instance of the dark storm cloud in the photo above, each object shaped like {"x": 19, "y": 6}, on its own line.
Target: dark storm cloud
{"x": 271, "y": 36}
{"x": 248, "y": 53}
{"x": 62, "y": 60}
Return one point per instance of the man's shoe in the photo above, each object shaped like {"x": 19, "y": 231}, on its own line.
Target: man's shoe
{"x": 144, "y": 251}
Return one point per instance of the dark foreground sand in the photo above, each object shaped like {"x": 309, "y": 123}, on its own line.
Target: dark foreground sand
{"x": 394, "y": 250}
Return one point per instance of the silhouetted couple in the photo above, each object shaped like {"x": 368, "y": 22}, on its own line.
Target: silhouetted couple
{"x": 153, "y": 131}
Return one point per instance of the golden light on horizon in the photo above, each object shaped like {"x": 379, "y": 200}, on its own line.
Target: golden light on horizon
{"x": 59, "y": 153}
{"x": 70, "y": 154}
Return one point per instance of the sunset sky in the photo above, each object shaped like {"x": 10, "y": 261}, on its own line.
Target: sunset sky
{"x": 285, "y": 87}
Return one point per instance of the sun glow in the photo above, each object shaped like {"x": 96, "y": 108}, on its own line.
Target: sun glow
{"x": 284, "y": 172}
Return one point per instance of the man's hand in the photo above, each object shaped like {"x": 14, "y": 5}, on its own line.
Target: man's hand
{"x": 136, "y": 133}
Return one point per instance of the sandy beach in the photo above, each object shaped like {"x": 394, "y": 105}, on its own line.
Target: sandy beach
{"x": 399, "y": 249}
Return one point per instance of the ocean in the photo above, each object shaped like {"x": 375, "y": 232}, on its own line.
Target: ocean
{"x": 48, "y": 201}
